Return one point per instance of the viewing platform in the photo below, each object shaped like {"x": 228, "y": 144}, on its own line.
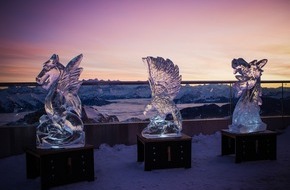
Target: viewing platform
{"x": 13, "y": 138}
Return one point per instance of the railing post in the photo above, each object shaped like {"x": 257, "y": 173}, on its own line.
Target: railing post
{"x": 231, "y": 99}
{"x": 282, "y": 102}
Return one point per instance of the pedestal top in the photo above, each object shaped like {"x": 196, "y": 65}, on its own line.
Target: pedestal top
{"x": 42, "y": 152}
{"x": 183, "y": 137}
{"x": 266, "y": 132}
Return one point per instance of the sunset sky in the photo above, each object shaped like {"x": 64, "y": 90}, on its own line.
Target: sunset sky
{"x": 200, "y": 36}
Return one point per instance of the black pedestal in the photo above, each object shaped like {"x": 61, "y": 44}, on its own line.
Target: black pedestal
{"x": 60, "y": 166}
{"x": 160, "y": 153}
{"x": 249, "y": 146}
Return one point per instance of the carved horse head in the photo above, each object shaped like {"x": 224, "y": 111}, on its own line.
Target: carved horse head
{"x": 248, "y": 75}
{"x": 50, "y": 73}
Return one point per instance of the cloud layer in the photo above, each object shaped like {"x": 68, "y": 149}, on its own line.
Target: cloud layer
{"x": 201, "y": 37}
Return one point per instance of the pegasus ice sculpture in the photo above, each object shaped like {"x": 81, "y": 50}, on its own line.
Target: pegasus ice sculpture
{"x": 61, "y": 126}
{"x": 165, "y": 83}
{"x": 246, "y": 116}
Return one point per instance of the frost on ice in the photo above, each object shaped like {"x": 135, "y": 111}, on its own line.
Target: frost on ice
{"x": 61, "y": 126}
{"x": 246, "y": 116}
{"x": 165, "y": 83}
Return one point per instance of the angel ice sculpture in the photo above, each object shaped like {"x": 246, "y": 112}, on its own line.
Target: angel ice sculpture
{"x": 165, "y": 83}
{"x": 246, "y": 116}
{"x": 61, "y": 126}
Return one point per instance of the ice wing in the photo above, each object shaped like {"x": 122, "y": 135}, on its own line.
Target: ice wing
{"x": 69, "y": 82}
{"x": 164, "y": 78}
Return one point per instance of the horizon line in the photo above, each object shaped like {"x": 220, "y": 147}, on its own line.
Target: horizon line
{"x": 128, "y": 82}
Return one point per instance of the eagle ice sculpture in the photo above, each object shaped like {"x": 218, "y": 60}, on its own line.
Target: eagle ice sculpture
{"x": 165, "y": 83}
{"x": 246, "y": 116}
{"x": 61, "y": 126}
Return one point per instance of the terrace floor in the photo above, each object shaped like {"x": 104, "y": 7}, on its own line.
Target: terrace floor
{"x": 117, "y": 168}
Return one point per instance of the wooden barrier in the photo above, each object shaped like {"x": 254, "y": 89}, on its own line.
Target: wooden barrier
{"x": 13, "y": 139}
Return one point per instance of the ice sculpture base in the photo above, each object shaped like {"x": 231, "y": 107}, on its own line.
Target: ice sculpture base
{"x": 154, "y": 136}
{"x": 60, "y": 147}
{"x": 248, "y": 129}
{"x": 161, "y": 153}
{"x": 250, "y": 146}
{"x": 161, "y": 128}
{"x": 77, "y": 143}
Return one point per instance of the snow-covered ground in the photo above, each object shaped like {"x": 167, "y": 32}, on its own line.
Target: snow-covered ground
{"x": 116, "y": 168}
{"x": 125, "y": 109}
{"x": 11, "y": 117}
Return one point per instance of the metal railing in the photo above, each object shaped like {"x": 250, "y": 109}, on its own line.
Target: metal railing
{"x": 101, "y": 82}
{"x": 280, "y": 85}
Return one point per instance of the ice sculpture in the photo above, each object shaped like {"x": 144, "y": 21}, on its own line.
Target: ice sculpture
{"x": 246, "y": 116}
{"x": 61, "y": 126}
{"x": 165, "y": 83}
